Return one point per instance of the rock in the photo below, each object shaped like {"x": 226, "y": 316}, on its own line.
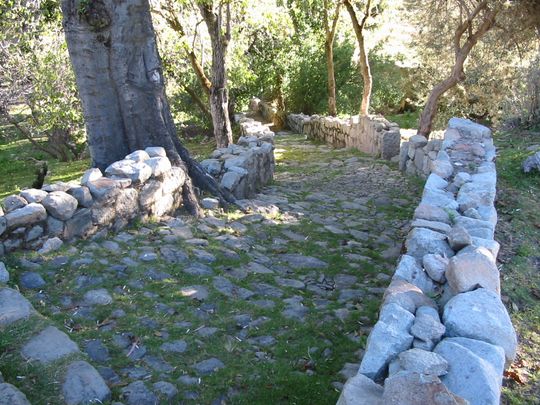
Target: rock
{"x": 25, "y": 216}
{"x": 34, "y": 233}
{"x": 4, "y": 274}
{"x": 418, "y": 141}
{"x": 136, "y": 393}
{"x": 433, "y": 225}
{"x": 14, "y": 202}
{"x": 13, "y": 307}
{"x": 427, "y": 328}
{"x": 210, "y": 203}
{"x": 97, "y": 351}
{"x": 155, "y": 151}
{"x": 196, "y": 292}
{"x": 289, "y": 282}
{"x": 360, "y": 390}
{"x": 481, "y": 315}
{"x": 97, "y": 297}
{"x": 469, "y": 376}
{"x": 208, "y": 366}
{"x": 435, "y": 266}
{"x": 104, "y": 189}
{"x": 165, "y": 389}
{"x": 51, "y": 245}
{"x": 442, "y": 168}
{"x": 230, "y": 180}
{"x": 176, "y": 346}
{"x": 159, "y": 165}
{"x": 91, "y": 175}
{"x": 410, "y": 388}
{"x": 137, "y": 171}
{"x": 389, "y": 337}
{"x": 33, "y": 195}
{"x": 83, "y": 385}
{"x": 60, "y": 205}
{"x": 531, "y": 163}
{"x": 409, "y": 270}
{"x": 421, "y": 242}
{"x": 48, "y": 346}
{"x": 10, "y": 395}
{"x": 470, "y": 270}
{"x": 298, "y": 261}
{"x": 406, "y": 295}
{"x": 55, "y": 227}
{"x": 421, "y": 362}
{"x": 459, "y": 237}
{"x": 82, "y": 195}
{"x": 212, "y": 166}
{"x": 31, "y": 280}
{"x": 432, "y": 213}
{"x": 138, "y": 156}
{"x": 3, "y": 225}
{"x": 80, "y": 225}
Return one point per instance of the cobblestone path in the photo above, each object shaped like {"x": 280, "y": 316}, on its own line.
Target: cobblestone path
{"x": 269, "y": 307}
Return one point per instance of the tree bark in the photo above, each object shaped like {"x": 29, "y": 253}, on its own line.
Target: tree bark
{"x": 219, "y": 96}
{"x": 461, "y": 53}
{"x": 330, "y": 33}
{"x": 201, "y": 104}
{"x": 365, "y": 69}
{"x": 112, "y": 46}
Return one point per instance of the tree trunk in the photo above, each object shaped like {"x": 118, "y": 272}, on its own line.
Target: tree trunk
{"x": 329, "y": 50}
{"x": 199, "y": 72}
{"x": 112, "y": 46}
{"x": 219, "y": 97}
{"x": 200, "y": 103}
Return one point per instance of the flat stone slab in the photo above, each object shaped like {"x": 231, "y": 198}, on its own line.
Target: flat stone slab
{"x": 49, "y": 345}
{"x": 297, "y": 261}
{"x": 83, "y": 385}
{"x": 13, "y": 307}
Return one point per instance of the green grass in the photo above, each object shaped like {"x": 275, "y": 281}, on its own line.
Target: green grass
{"x": 518, "y": 231}
{"x": 406, "y": 120}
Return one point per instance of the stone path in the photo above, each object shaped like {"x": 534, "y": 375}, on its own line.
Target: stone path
{"x": 268, "y": 307}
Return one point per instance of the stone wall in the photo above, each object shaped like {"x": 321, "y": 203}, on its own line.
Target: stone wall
{"x": 417, "y": 154}
{"x": 373, "y": 135}
{"x": 245, "y": 167}
{"x": 443, "y": 334}
{"x": 142, "y": 185}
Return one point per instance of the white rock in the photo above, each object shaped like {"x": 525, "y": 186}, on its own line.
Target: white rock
{"x": 138, "y": 156}
{"x": 91, "y": 175}
{"x": 471, "y": 270}
{"x": 156, "y": 151}
{"x": 33, "y": 195}
{"x": 360, "y": 390}
{"x": 159, "y": 165}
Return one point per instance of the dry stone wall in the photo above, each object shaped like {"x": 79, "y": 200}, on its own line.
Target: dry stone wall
{"x": 373, "y": 135}
{"x": 142, "y": 185}
{"x": 443, "y": 334}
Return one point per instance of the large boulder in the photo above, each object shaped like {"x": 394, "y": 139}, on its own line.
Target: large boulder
{"x": 60, "y": 205}
{"x": 481, "y": 315}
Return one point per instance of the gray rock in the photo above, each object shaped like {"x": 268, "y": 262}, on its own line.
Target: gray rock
{"x": 210, "y": 203}
{"x": 165, "y": 389}
{"x": 83, "y": 385}
{"x": 410, "y": 388}
{"x": 459, "y": 237}
{"x": 427, "y": 328}
{"x": 10, "y": 395}
{"x": 406, "y": 295}
{"x": 435, "y": 266}
{"x": 4, "y": 274}
{"x": 155, "y": 151}
{"x": 432, "y": 213}
{"x": 97, "y": 297}
{"x": 33, "y": 195}
{"x": 389, "y": 337}
{"x": 60, "y": 205}
{"x": 481, "y": 315}
{"x": 13, "y": 307}
{"x": 80, "y": 225}
{"x": 137, "y": 393}
{"x": 531, "y": 163}
{"x": 196, "y": 292}
{"x": 289, "y": 282}
{"x": 97, "y": 351}
{"x": 3, "y": 224}
{"x": 176, "y": 346}
{"x": 31, "y": 280}
{"x": 231, "y": 179}
{"x": 470, "y": 270}
{"x": 421, "y": 242}
{"x": 469, "y": 376}
{"x": 433, "y": 225}
{"x": 91, "y": 175}
{"x": 409, "y": 270}
{"x": 14, "y": 202}
{"x": 212, "y": 166}
{"x": 360, "y": 390}
{"x": 34, "y": 233}
{"x": 104, "y": 189}
{"x": 82, "y": 195}
{"x": 159, "y": 165}
{"x": 421, "y": 362}
{"x": 49, "y": 345}
{"x": 138, "y": 156}
{"x": 51, "y": 245}
{"x": 298, "y": 261}
{"x": 25, "y": 216}
{"x": 55, "y": 227}
{"x": 208, "y": 366}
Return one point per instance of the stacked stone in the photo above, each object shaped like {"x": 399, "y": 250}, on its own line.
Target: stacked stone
{"x": 245, "y": 167}
{"x": 141, "y": 185}
{"x": 374, "y": 134}
{"x": 443, "y": 334}
{"x": 417, "y": 155}
{"x": 81, "y": 382}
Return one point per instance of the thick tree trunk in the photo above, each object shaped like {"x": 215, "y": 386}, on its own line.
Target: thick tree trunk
{"x": 113, "y": 51}
{"x": 219, "y": 97}
{"x": 430, "y": 109}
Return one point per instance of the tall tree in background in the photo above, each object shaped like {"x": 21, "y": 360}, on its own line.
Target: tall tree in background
{"x": 218, "y": 22}
{"x": 330, "y": 26}
{"x": 112, "y": 46}
{"x": 476, "y": 18}
{"x": 359, "y": 26}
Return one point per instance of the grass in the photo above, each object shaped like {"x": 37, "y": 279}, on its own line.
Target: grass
{"x": 518, "y": 231}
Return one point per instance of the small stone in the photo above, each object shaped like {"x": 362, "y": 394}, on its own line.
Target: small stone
{"x": 4, "y": 274}
{"x": 13, "y": 307}
{"x": 188, "y": 380}
{"x": 51, "y": 245}
{"x": 137, "y": 393}
{"x": 210, "y": 203}
{"x": 97, "y": 297}
{"x": 298, "y": 261}
{"x": 159, "y": 165}
{"x": 97, "y": 351}
{"x": 208, "y": 366}
{"x": 49, "y": 345}
{"x": 427, "y": 328}
{"x": 10, "y": 395}
{"x": 155, "y": 151}
{"x": 421, "y": 242}
{"x": 31, "y": 280}
{"x": 289, "y": 282}
{"x": 459, "y": 237}
{"x": 83, "y": 385}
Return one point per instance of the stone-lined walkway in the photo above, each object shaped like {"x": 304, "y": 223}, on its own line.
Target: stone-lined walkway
{"x": 262, "y": 308}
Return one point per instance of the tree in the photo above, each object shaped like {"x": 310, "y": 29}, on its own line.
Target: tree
{"x": 112, "y": 46}
{"x": 330, "y": 25}
{"x": 218, "y": 23}
{"x": 359, "y": 26}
